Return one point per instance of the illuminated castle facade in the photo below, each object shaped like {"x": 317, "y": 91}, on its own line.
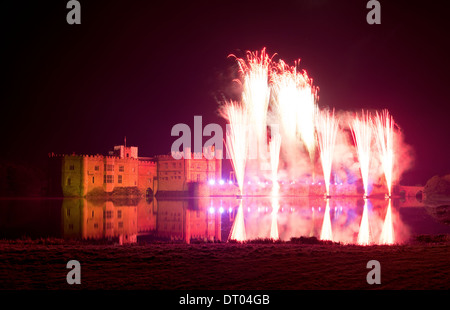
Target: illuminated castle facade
{"x": 123, "y": 173}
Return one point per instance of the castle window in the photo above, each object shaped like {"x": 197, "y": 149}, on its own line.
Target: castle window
{"x": 109, "y": 167}
{"x": 121, "y": 169}
{"x": 119, "y": 214}
{"x": 92, "y": 179}
{"x": 108, "y": 179}
{"x": 72, "y": 167}
{"x": 97, "y": 168}
{"x": 119, "y": 178}
{"x": 69, "y": 182}
{"x": 120, "y": 224}
{"x": 108, "y": 214}
{"x": 95, "y": 225}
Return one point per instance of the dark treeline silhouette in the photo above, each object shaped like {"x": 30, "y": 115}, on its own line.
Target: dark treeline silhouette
{"x": 21, "y": 180}
{"x": 438, "y": 187}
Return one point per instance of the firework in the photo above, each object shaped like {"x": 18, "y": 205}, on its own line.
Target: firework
{"x": 384, "y": 128}
{"x": 255, "y": 71}
{"x": 286, "y": 100}
{"x": 327, "y": 125}
{"x": 362, "y": 136}
{"x": 306, "y": 113}
{"x": 274, "y": 146}
{"x": 236, "y": 138}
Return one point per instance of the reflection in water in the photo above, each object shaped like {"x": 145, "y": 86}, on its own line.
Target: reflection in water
{"x": 351, "y": 220}
{"x": 274, "y": 226}
{"x": 364, "y": 231}
{"x": 326, "y": 232}
{"x": 164, "y": 220}
{"x": 238, "y": 229}
{"x": 346, "y": 220}
{"x": 86, "y": 219}
{"x": 387, "y": 234}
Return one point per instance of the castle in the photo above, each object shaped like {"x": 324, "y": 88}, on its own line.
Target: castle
{"x": 124, "y": 173}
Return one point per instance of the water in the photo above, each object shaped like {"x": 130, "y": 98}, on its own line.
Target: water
{"x": 206, "y": 219}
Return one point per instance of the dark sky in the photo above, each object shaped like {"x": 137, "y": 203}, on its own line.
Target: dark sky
{"x": 137, "y": 68}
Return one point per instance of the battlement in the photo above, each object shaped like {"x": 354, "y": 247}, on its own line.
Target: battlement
{"x": 101, "y": 157}
{"x": 97, "y": 156}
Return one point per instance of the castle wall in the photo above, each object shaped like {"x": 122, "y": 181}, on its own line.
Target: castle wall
{"x": 72, "y": 176}
{"x": 171, "y": 174}
{"x": 178, "y": 175}
{"x": 82, "y": 175}
{"x": 147, "y": 176}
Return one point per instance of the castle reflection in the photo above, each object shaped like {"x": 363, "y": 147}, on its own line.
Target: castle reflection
{"x": 165, "y": 220}
{"x": 211, "y": 219}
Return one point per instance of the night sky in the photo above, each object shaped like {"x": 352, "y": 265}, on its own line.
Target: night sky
{"x": 137, "y": 68}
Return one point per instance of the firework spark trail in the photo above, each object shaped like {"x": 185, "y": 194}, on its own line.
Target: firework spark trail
{"x": 236, "y": 138}
{"x": 384, "y": 128}
{"x": 387, "y": 233}
{"x": 286, "y": 101}
{"x": 364, "y": 230}
{"x": 326, "y": 232}
{"x": 327, "y": 125}
{"x": 306, "y": 113}
{"x": 362, "y": 136}
{"x": 274, "y": 146}
{"x": 238, "y": 230}
{"x": 255, "y": 72}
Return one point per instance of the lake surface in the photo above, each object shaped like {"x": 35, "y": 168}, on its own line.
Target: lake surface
{"x": 210, "y": 219}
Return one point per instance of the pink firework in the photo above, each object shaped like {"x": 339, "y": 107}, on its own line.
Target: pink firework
{"x": 236, "y": 138}
{"x": 286, "y": 97}
{"x": 274, "y": 147}
{"x": 327, "y": 126}
{"x": 362, "y": 136}
{"x": 384, "y": 128}
{"x": 255, "y": 71}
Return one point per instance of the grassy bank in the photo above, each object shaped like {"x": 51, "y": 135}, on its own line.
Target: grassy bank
{"x": 41, "y": 264}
